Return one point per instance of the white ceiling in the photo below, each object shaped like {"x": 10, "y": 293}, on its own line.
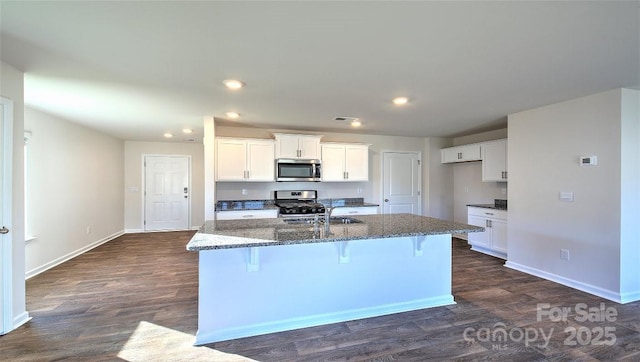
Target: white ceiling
{"x": 138, "y": 69}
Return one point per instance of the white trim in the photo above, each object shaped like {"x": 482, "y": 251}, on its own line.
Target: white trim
{"x": 21, "y": 319}
{"x": 33, "y": 272}
{"x": 140, "y": 231}
{"x": 144, "y": 190}
{"x": 587, "y": 288}
{"x": 6, "y": 241}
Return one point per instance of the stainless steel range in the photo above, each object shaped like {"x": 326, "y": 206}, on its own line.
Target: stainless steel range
{"x": 298, "y": 203}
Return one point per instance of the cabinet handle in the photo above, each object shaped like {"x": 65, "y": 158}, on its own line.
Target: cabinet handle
{"x": 347, "y": 174}
{"x": 459, "y": 155}
{"x": 488, "y": 213}
{"x": 247, "y": 216}
{"x": 248, "y": 174}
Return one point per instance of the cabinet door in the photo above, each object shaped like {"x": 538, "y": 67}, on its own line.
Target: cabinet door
{"x": 480, "y": 239}
{"x": 260, "y": 160}
{"x": 499, "y": 235}
{"x": 461, "y": 153}
{"x": 287, "y": 146}
{"x": 333, "y": 162}
{"x": 494, "y": 161}
{"x": 469, "y": 153}
{"x": 356, "y": 162}
{"x": 309, "y": 147}
{"x": 449, "y": 155}
{"x": 231, "y": 160}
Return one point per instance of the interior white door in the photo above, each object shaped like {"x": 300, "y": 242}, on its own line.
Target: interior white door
{"x": 401, "y": 183}
{"x": 167, "y": 193}
{"x": 6, "y": 274}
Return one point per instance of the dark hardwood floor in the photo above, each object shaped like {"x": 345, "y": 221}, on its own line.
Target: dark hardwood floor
{"x": 135, "y": 299}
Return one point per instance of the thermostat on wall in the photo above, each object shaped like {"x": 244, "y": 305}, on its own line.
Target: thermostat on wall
{"x": 588, "y": 161}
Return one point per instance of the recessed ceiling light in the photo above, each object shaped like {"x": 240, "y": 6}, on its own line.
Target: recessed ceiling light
{"x": 168, "y": 135}
{"x": 187, "y": 130}
{"x": 356, "y": 123}
{"x": 398, "y": 101}
{"x": 233, "y": 84}
{"x": 232, "y": 115}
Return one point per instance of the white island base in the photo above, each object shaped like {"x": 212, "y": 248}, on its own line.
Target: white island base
{"x": 257, "y": 290}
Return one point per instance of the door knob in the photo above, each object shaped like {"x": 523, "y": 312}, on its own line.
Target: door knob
{"x": 386, "y": 200}
{"x": 4, "y": 230}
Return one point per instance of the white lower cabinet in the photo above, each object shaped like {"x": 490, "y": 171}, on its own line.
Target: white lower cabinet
{"x": 492, "y": 241}
{"x": 247, "y": 214}
{"x": 352, "y": 211}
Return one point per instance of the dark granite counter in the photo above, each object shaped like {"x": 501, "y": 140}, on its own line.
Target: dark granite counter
{"x": 488, "y": 206}
{"x": 346, "y": 202}
{"x": 228, "y": 234}
{"x": 239, "y": 205}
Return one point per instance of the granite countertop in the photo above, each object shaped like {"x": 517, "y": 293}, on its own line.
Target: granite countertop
{"x": 346, "y": 202}
{"x": 239, "y": 205}
{"x": 227, "y": 234}
{"x": 489, "y": 206}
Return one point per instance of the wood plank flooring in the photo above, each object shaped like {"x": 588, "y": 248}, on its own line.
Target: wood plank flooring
{"x": 135, "y": 299}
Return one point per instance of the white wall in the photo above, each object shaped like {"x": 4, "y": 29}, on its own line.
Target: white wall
{"x": 134, "y": 152}
{"x": 74, "y": 183}
{"x": 438, "y": 180}
{"x": 371, "y": 191}
{"x": 12, "y": 87}
{"x": 468, "y": 187}
{"x": 630, "y": 196}
{"x": 544, "y": 146}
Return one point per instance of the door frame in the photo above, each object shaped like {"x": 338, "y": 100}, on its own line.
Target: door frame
{"x": 143, "y": 187}
{"x": 383, "y": 171}
{"x": 6, "y": 240}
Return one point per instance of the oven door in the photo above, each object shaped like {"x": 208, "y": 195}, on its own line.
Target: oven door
{"x": 297, "y": 170}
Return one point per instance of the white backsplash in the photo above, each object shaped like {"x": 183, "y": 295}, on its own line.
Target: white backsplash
{"x": 264, "y": 190}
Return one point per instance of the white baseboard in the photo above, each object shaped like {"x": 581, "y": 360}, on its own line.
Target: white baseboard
{"x": 320, "y": 319}
{"x": 587, "y": 288}
{"x": 35, "y": 271}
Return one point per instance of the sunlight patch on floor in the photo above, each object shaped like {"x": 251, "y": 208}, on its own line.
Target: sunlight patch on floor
{"x": 150, "y": 342}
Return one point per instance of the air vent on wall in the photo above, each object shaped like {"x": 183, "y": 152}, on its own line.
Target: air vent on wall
{"x": 345, "y": 119}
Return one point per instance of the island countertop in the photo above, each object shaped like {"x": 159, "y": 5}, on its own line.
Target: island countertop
{"x": 228, "y": 234}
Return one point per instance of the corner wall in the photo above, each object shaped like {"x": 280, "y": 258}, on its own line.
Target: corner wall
{"x": 74, "y": 190}
{"x": 544, "y": 149}
{"x": 134, "y": 152}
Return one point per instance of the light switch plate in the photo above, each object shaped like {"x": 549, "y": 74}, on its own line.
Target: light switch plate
{"x": 566, "y": 196}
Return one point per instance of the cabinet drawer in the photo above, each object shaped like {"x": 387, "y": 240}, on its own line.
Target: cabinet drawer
{"x": 346, "y": 211}
{"x": 487, "y": 213}
{"x": 246, "y": 214}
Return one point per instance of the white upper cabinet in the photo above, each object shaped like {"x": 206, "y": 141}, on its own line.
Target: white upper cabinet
{"x": 245, "y": 159}
{"x": 345, "y": 162}
{"x": 464, "y": 153}
{"x": 297, "y": 146}
{"x": 494, "y": 161}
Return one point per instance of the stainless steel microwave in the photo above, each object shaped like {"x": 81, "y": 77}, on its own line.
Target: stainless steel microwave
{"x": 291, "y": 169}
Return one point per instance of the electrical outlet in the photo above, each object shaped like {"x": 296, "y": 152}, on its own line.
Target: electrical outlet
{"x": 564, "y": 254}
{"x": 245, "y": 192}
{"x": 359, "y": 190}
{"x": 504, "y": 191}
{"x": 466, "y": 189}
{"x": 88, "y": 230}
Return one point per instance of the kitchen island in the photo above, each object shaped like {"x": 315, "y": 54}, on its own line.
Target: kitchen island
{"x": 269, "y": 275}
